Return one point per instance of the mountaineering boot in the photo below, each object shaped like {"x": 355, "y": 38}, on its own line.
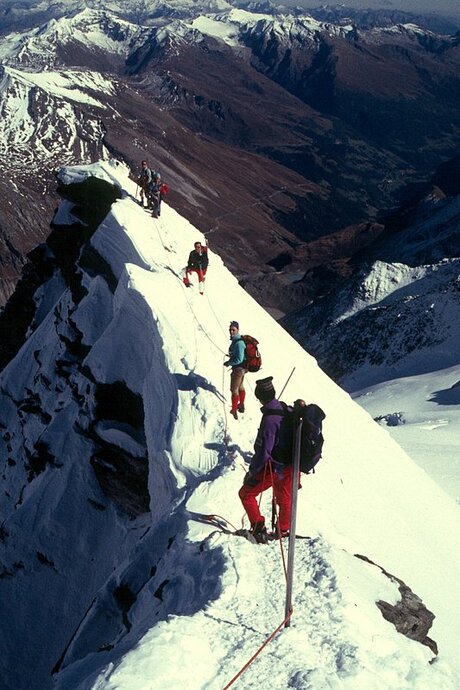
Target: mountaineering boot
{"x": 241, "y": 403}
{"x": 260, "y": 534}
{"x": 276, "y": 534}
{"x": 234, "y": 410}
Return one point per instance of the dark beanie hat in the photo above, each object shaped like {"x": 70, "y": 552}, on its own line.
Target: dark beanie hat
{"x": 264, "y": 388}
{"x": 234, "y": 324}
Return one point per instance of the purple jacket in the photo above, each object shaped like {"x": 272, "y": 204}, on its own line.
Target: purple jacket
{"x": 266, "y": 439}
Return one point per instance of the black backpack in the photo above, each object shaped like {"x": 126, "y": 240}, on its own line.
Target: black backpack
{"x": 311, "y": 440}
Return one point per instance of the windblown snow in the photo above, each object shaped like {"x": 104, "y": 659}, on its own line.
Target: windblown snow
{"x": 159, "y": 598}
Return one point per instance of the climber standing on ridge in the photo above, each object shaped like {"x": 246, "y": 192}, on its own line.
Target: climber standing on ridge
{"x": 237, "y": 356}
{"x": 155, "y": 194}
{"x": 264, "y": 471}
{"x": 144, "y": 179}
{"x": 197, "y": 263}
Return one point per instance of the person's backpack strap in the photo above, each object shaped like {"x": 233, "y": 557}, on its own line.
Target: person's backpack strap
{"x": 282, "y": 450}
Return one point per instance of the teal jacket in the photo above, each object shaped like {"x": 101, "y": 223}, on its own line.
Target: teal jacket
{"x": 236, "y": 352}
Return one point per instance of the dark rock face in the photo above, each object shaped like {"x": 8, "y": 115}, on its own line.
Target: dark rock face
{"x": 22, "y": 228}
{"x": 410, "y": 615}
{"x": 391, "y": 419}
{"x": 108, "y": 411}
{"x": 61, "y": 251}
{"x": 122, "y": 476}
{"x": 115, "y": 401}
{"x": 123, "y": 479}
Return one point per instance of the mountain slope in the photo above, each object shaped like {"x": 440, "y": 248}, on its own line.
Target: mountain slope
{"x": 351, "y": 117}
{"x": 392, "y": 318}
{"x": 116, "y": 442}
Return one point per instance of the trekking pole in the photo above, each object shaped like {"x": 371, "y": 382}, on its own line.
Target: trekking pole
{"x": 298, "y": 421}
{"x": 287, "y": 381}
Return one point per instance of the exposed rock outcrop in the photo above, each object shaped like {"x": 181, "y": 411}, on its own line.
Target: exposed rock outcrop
{"x": 410, "y": 616}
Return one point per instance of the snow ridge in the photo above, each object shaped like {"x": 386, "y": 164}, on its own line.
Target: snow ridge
{"x": 115, "y": 441}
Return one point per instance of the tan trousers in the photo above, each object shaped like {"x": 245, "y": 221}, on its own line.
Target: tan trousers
{"x": 237, "y": 380}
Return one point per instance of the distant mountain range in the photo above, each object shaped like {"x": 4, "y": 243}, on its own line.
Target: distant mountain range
{"x": 274, "y": 129}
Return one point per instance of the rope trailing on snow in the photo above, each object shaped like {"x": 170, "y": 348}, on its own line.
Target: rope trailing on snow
{"x": 175, "y": 273}
{"x": 254, "y": 656}
{"x": 196, "y": 319}
{"x": 289, "y": 614}
{"x": 214, "y": 516}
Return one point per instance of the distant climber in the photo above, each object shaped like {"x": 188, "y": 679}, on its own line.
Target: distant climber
{"x": 197, "y": 263}
{"x": 155, "y": 194}
{"x": 144, "y": 179}
{"x": 264, "y": 471}
{"x": 237, "y": 356}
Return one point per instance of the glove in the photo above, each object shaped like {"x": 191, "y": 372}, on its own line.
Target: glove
{"x": 249, "y": 480}
{"x": 226, "y": 363}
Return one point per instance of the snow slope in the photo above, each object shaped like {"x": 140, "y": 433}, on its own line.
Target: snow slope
{"x": 421, "y": 413}
{"x": 161, "y": 599}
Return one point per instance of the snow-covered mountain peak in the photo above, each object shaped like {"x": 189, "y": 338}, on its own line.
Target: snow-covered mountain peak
{"x": 116, "y": 443}
{"x": 293, "y": 30}
{"x": 394, "y": 318}
{"x": 407, "y": 32}
{"x": 91, "y": 29}
{"x": 56, "y": 95}
{"x": 371, "y": 286}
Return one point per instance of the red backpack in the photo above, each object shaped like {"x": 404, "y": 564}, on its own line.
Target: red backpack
{"x": 252, "y": 360}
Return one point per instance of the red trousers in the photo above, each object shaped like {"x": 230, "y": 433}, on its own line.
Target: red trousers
{"x": 200, "y": 273}
{"x": 282, "y": 487}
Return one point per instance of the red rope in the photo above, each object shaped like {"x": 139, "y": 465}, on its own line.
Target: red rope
{"x": 213, "y": 516}
{"x": 283, "y": 624}
{"x": 254, "y": 656}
